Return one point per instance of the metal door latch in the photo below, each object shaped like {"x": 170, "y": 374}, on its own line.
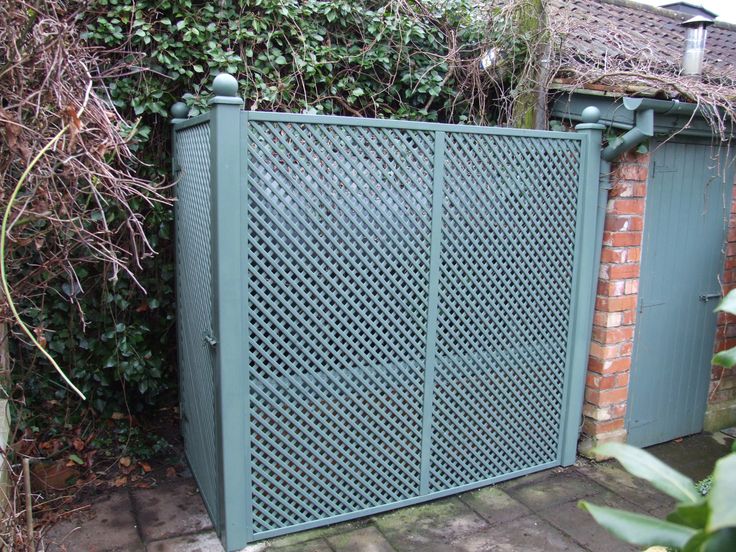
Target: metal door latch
{"x": 209, "y": 338}
{"x": 709, "y": 297}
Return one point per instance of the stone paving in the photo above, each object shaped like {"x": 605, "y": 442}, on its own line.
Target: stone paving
{"x": 533, "y": 513}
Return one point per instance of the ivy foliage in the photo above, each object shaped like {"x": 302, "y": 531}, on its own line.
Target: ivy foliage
{"x": 407, "y": 59}
{"x": 116, "y": 342}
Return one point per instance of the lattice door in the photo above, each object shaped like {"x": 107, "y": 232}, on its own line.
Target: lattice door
{"x": 504, "y": 305}
{"x": 194, "y": 297}
{"x": 338, "y": 261}
{"x": 409, "y": 308}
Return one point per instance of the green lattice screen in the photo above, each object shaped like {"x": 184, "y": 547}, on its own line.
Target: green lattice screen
{"x": 376, "y": 313}
{"x": 339, "y": 264}
{"x": 195, "y": 303}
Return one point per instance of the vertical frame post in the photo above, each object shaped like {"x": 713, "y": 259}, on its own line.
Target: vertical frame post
{"x": 179, "y": 112}
{"x": 430, "y": 358}
{"x": 584, "y": 282}
{"x": 245, "y": 305}
{"x": 228, "y": 233}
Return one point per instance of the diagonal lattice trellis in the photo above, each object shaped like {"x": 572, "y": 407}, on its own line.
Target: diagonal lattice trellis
{"x": 338, "y": 247}
{"x": 508, "y": 236}
{"x": 194, "y": 297}
{"x": 408, "y": 313}
{"x": 340, "y": 228}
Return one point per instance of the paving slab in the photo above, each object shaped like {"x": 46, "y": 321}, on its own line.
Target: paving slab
{"x": 316, "y": 545}
{"x": 580, "y": 526}
{"x": 315, "y": 534}
{"x": 729, "y": 432}
{"x": 108, "y": 526}
{"x": 170, "y": 510}
{"x": 531, "y": 478}
{"x": 201, "y": 542}
{"x": 494, "y": 505}
{"x": 559, "y": 487}
{"x": 528, "y": 534}
{"x": 368, "y": 539}
{"x": 636, "y": 491}
{"x": 694, "y": 456}
{"x": 429, "y": 527}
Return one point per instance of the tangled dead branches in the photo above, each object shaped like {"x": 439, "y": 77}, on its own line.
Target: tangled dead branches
{"x": 628, "y": 57}
{"x": 81, "y": 203}
{"x": 77, "y": 204}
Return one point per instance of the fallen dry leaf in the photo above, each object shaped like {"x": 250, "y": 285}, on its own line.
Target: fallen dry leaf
{"x": 125, "y": 461}
{"x": 146, "y": 467}
{"x": 121, "y": 481}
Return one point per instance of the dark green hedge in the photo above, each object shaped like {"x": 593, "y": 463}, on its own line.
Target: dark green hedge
{"x": 398, "y": 59}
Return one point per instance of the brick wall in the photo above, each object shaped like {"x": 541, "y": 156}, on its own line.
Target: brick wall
{"x": 612, "y": 343}
{"x": 722, "y": 393}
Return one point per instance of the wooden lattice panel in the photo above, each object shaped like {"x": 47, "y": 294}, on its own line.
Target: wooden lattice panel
{"x": 508, "y": 237}
{"x": 338, "y": 267}
{"x": 194, "y": 297}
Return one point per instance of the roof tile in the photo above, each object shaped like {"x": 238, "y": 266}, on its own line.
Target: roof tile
{"x": 625, "y": 28}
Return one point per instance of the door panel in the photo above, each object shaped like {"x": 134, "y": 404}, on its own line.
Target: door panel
{"x": 682, "y": 259}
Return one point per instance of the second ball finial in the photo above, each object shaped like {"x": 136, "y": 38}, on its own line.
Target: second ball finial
{"x": 591, "y": 114}
{"x": 180, "y": 110}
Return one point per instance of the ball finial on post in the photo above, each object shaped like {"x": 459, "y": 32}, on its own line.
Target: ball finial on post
{"x": 591, "y": 114}
{"x": 180, "y": 110}
{"x": 225, "y": 85}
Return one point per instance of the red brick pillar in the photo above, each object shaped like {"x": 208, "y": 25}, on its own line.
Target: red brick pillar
{"x": 612, "y": 343}
{"x": 721, "y": 410}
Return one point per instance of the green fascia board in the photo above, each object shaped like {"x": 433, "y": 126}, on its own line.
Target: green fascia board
{"x": 569, "y": 107}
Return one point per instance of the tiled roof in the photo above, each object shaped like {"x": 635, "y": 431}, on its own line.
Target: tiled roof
{"x": 625, "y": 28}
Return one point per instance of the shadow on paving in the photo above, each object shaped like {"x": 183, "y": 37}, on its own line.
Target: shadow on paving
{"x": 534, "y": 513}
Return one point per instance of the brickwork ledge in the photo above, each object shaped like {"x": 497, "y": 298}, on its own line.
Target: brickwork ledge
{"x": 720, "y": 415}
{"x": 588, "y": 443}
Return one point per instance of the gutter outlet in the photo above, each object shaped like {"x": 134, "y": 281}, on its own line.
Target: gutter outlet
{"x": 642, "y": 131}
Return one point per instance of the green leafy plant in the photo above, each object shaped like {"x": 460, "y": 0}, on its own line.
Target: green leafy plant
{"x": 408, "y": 60}
{"x": 117, "y": 343}
{"x": 698, "y": 523}
{"x": 399, "y": 60}
{"x": 726, "y": 358}
{"x": 413, "y": 60}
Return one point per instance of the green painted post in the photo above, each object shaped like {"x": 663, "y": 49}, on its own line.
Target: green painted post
{"x": 430, "y": 359}
{"x": 228, "y": 232}
{"x": 179, "y": 112}
{"x": 585, "y": 270}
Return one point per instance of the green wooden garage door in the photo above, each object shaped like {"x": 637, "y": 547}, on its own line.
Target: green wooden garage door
{"x": 684, "y": 230}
